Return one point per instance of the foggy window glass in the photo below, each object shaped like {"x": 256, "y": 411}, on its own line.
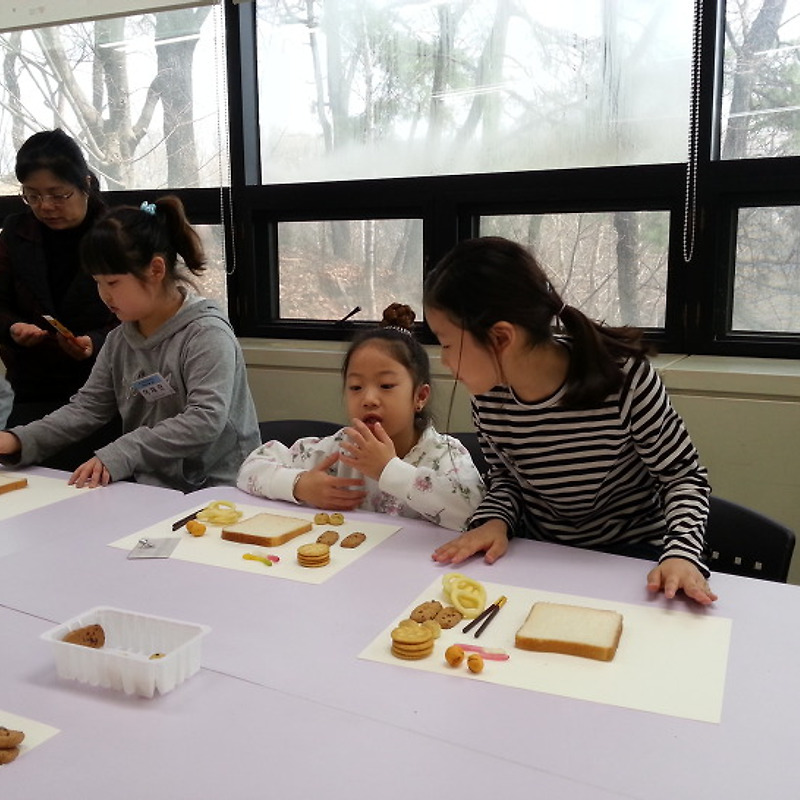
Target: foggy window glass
{"x": 766, "y": 291}
{"x": 142, "y": 95}
{"x": 328, "y": 268}
{"x": 213, "y": 282}
{"x": 761, "y": 90}
{"x": 612, "y": 266}
{"x": 380, "y": 88}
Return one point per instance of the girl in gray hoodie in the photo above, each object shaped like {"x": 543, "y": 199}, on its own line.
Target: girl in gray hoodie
{"x": 173, "y": 369}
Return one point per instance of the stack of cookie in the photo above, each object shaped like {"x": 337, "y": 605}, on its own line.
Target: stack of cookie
{"x": 9, "y": 744}
{"x": 316, "y": 554}
{"x": 412, "y": 642}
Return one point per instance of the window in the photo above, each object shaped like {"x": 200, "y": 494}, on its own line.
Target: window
{"x": 767, "y": 272}
{"x": 327, "y": 269}
{"x": 761, "y": 93}
{"x": 613, "y": 266}
{"x": 372, "y": 88}
{"x": 368, "y": 136}
{"x": 143, "y": 95}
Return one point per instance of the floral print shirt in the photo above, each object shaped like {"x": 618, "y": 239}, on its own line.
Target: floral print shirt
{"x": 436, "y": 481}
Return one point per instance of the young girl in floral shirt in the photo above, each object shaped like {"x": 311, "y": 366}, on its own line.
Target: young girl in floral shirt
{"x": 391, "y": 458}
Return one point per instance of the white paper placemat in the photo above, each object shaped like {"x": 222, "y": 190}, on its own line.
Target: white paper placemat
{"x": 669, "y": 661}
{"x": 36, "y": 733}
{"x": 39, "y": 492}
{"x": 211, "y": 549}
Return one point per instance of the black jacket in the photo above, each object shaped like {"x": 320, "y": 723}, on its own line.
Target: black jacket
{"x": 44, "y": 372}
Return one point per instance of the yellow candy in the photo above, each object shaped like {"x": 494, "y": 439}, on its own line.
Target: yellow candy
{"x": 465, "y": 594}
{"x": 220, "y": 512}
{"x": 253, "y": 557}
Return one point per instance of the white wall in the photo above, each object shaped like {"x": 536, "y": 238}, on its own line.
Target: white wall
{"x": 743, "y": 414}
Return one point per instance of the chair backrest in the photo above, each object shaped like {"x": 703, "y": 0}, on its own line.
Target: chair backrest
{"x": 470, "y": 440}
{"x": 288, "y": 431}
{"x": 741, "y": 541}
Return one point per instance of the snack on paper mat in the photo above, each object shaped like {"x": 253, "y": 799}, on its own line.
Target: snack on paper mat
{"x": 315, "y": 554}
{"x": 353, "y": 540}
{"x": 9, "y": 484}
{"x": 9, "y": 744}
{"x": 454, "y": 655}
{"x": 411, "y": 643}
{"x": 571, "y": 630}
{"x": 195, "y": 527}
{"x": 328, "y": 537}
{"x": 267, "y": 530}
{"x": 465, "y": 594}
{"x": 220, "y": 512}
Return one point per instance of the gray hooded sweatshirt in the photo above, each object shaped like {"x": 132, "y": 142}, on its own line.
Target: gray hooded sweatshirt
{"x": 199, "y": 422}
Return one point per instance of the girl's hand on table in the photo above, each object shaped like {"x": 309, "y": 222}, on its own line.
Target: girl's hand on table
{"x": 78, "y": 347}
{"x": 673, "y": 574}
{"x": 91, "y": 474}
{"x": 26, "y": 335}
{"x": 366, "y": 450}
{"x": 317, "y": 488}
{"x": 9, "y": 444}
{"x": 491, "y": 538}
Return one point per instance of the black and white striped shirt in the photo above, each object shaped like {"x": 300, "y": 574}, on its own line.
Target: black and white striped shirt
{"x": 622, "y": 473}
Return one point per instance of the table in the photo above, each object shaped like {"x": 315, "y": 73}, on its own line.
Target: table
{"x": 292, "y": 708}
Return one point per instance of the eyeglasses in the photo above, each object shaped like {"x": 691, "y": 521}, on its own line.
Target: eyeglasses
{"x": 33, "y": 199}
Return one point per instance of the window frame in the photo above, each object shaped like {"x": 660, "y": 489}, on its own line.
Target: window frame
{"x": 699, "y": 292}
{"x": 698, "y": 298}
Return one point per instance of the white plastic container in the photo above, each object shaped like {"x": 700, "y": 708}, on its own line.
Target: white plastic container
{"x": 124, "y": 663}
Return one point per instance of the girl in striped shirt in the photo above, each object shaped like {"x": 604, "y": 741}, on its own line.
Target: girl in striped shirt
{"x": 583, "y": 445}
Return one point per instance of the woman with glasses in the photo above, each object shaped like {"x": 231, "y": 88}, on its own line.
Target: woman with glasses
{"x": 41, "y": 276}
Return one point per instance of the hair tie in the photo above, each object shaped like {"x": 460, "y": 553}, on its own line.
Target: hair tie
{"x": 148, "y": 208}
{"x": 406, "y": 331}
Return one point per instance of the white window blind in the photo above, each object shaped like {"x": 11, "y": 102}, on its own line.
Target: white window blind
{"x": 39, "y": 13}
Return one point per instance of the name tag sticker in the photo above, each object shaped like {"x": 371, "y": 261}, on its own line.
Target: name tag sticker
{"x": 152, "y": 387}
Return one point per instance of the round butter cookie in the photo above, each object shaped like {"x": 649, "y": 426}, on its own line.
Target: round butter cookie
{"x": 315, "y": 554}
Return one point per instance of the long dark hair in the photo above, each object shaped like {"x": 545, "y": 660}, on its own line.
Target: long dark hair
{"x": 490, "y": 279}
{"x": 394, "y": 333}
{"x": 125, "y": 239}
{"x": 59, "y": 153}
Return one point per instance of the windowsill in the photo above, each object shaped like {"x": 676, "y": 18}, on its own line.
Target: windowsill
{"x": 713, "y": 375}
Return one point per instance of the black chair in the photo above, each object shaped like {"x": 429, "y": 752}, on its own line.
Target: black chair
{"x": 288, "y": 431}
{"x": 740, "y": 541}
{"x": 470, "y": 440}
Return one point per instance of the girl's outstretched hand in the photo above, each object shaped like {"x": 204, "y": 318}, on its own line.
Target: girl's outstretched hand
{"x": 317, "y": 488}
{"x": 367, "y": 451}
{"x": 91, "y": 473}
{"x": 673, "y": 574}
{"x": 491, "y": 538}
{"x": 9, "y": 444}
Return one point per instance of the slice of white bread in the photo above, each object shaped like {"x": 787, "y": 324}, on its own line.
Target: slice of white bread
{"x": 10, "y": 482}
{"x": 572, "y": 630}
{"x": 268, "y": 530}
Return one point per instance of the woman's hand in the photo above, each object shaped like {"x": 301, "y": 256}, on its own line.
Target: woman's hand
{"x": 77, "y": 347}
{"x": 26, "y": 335}
{"x": 317, "y": 488}
{"x": 491, "y": 538}
{"x": 91, "y": 474}
{"x": 673, "y": 574}
{"x": 367, "y": 451}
